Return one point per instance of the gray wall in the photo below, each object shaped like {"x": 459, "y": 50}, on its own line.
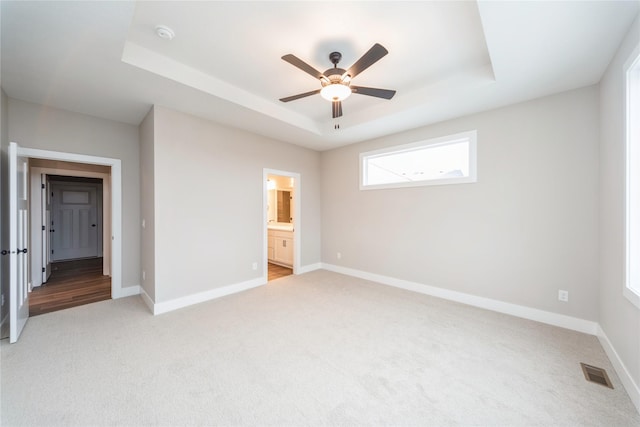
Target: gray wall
{"x": 619, "y": 319}
{"x": 526, "y": 229}
{"x": 208, "y": 203}
{"x": 147, "y": 207}
{"x": 36, "y": 126}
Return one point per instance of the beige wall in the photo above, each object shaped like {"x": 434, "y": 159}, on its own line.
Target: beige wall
{"x": 147, "y": 205}
{"x": 619, "y": 319}
{"x": 208, "y": 203}
{"x": 36, "y": 126}
{"x": 526, "y": 229}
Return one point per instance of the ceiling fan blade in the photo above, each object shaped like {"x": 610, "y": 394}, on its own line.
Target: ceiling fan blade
{"x": 300, "y": 95}
{"x": 372, "y": 56}
{"x": 299, "y": 63}
{"x": 336, "y": 109}
{"x": 372, "y": 91}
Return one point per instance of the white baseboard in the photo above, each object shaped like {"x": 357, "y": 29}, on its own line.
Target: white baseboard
{"x": 555, "y": 319}
{"x": 127, "y": 292}
{"x": 166, "y": 306}
{"x": 632, "y": 388}
{"x": 309, "y": 268}
{"x": 147, "y": 299}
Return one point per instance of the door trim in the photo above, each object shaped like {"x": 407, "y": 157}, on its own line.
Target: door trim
{"x": 116, "y": 204}
{"x": 297, "y": 222}
{"x": 35, "y": 172}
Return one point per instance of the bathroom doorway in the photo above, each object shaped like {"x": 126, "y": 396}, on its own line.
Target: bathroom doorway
{"x": 281, "y": 219}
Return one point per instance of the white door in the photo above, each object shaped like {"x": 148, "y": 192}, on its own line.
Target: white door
{"x": 75, "y": 222}
{"x": 46, "y": 227}
{"x": 18, "y": 259}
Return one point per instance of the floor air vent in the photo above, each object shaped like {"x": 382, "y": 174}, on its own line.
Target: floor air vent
{"x": 596, "y": 375}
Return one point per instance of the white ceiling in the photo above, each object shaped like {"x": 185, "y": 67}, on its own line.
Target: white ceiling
{"x": 446, "y": 59}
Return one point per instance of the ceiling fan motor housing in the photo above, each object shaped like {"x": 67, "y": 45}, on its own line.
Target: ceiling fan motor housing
{"x": 334, "y": 75}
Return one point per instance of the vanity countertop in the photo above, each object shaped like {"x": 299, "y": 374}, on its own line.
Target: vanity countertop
{"x": 281, "y": 226}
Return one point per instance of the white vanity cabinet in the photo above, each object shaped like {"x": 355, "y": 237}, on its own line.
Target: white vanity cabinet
{"x": 271, "y": 245}
{"x": 280, "y": 247}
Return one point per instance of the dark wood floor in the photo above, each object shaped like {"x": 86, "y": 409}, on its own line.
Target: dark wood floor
{"x": 72, "y": 283}
{"x": 277, "y": 271}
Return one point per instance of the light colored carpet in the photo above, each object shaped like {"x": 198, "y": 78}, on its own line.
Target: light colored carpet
{"x": 315, "y": 349}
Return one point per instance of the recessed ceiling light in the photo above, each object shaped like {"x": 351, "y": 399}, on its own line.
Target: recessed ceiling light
{"x": 165, "y": 32}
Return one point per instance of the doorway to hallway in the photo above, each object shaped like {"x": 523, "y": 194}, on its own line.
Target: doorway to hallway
{"x": 25, "y": 202}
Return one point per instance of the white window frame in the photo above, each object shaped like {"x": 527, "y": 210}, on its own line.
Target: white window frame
{"x": 632, "y": 178}
{"x": 470, "y": 136}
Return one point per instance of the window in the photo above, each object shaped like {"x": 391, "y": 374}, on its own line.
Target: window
{"x": 447, "y": 160}
{"x": 632, "y": 282}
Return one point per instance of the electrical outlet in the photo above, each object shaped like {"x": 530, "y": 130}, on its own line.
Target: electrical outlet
{"x": 339, "y": 255}
{"x": 254, "y": 266}
{"x": 144, "y": 275}
{"x": 563, "y": 295}
{"x": 1, "y": 304}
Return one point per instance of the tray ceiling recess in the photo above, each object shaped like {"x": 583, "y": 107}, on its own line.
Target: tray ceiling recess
{"x": 220, "y": 60}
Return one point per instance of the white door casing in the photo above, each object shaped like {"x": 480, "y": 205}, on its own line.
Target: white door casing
{"x": 37, "y": 212}
{"x": 46, "y": 227}
{"x": 18, "y": 242}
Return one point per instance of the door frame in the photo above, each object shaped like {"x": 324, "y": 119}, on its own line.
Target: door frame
{"x": 116, "y": 204}
{"x": 297, "y": 221}
{"x": 36, "y": 205}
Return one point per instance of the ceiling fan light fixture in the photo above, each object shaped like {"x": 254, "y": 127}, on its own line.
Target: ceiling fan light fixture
{"x": 335, "y": 92}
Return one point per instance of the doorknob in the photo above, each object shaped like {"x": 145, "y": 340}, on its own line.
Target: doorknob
{"x": 93, "y": 225}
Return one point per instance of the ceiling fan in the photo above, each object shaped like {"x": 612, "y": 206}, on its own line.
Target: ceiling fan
{"x": 336, "y": 82}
